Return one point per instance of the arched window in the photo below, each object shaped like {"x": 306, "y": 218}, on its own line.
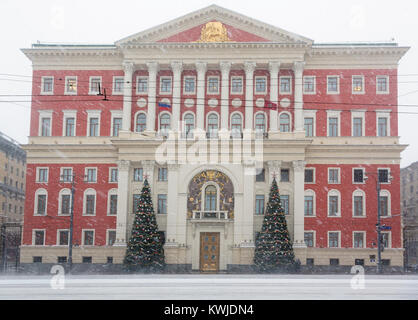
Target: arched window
{"x": 334, "y": 203}
{"x": 189, "y": 124}
{"x": 165, "y": 123}
{"x": 213, "y": 125}
{"x": 112, "y": 202}
{"x": 359, "y": 203}
{"x": 260, "y": 122}
{"x": 310, "y": 203}
{"x": 210, "y": 198}
{"x": 284, "y": 122}
{"x": 64, "y": 204}
{"x": 41, "y": 201}
{"x": 141, "y": 122}
{"x": 385, "y": 203}
{"x": 89, "y": 203}
{"x": 236, "y": 125}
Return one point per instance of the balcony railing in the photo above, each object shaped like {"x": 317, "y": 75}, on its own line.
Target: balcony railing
{"x": 210, "y": 215}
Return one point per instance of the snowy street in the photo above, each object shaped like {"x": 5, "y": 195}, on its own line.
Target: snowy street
{"x": 209, "y": 287}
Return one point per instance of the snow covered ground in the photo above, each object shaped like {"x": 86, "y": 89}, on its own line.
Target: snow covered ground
{"x": 209, "y": 287}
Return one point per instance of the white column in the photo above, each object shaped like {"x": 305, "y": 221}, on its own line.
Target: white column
{"x": 172, "y": 199}
{"x": 177, "y": 68}
{"x": 274, "y": 68}
{"x": 247, "y": 229}
{"x": 200, "y": 94}
{"x": 127, "y": 95}
{"x": 298, "y": 70}
{"x": 249, "y": 94}
{"x": 298, "y": 204}
{"x": 152, "y": 95}
{"x": 225, "y": 68}
{"x": 123, "y": 202}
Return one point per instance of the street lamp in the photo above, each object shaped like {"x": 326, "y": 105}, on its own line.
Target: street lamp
{"x": 378, "y": 225}
{"x": 70, "y": 240}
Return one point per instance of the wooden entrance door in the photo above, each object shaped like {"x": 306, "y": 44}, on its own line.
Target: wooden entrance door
{"x": 209, "y": 251}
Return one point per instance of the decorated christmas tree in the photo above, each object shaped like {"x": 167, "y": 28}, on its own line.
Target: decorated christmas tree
{"x": 273, "y": 247}
{"x": 145, "y": 248}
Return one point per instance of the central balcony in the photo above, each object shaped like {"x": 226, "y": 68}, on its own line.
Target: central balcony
{"x": 210, "y": 215}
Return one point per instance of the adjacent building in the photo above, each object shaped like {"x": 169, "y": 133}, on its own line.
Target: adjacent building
{"x": 210, "y": 107}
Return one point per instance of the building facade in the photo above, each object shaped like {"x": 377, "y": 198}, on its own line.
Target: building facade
{"x": 409, "y": 202}
{"x": 209, "y": 107}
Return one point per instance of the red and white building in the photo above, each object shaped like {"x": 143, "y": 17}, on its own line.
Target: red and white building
{"x": 335, "y": 124}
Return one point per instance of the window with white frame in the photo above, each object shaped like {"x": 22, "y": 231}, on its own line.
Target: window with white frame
{"x": 118, "y": 82}
{"x": 334, "y": 203}
{"x": 69, "y": 126}
{"x": 89, "y": 203}
{"x": 93, "y": 123}
{"x": 91, "y": 175}
{"x": 142, "y": 85}
{"x": 386, "y": 239}
{"x": 45, "y": 127}
{"x": 309, "y": 237}
{"x": 333, "y": 127}
{"x": 38, "y": 237}
{"x": 236, "y": 125}
{"x": 141, "y": 122}
{"x": 359, "y": 240}
{"x": 63, "y": 236}
{"x": 284, "y": 122}
{"x": 284, "y": 201}
{"x": 382, "y": 123}
{"x": 88, "y": 237}
{"x": 213, "y": 85}
{"x": 162, "y": 174}
{"x": 112, "y": 202}
{"x": 165, "y": 85}
{"x": 309, "y": 175}
{"x": 70, "y": 85}
{"x": 259, "y": 204}
{"x": 333, "y": 239}
{"x": 285, "y": 86}
{"x": 357, "y": 85}
{"x": 260, "y": 85}
{"x": 333, "y": 175}
{"x": 64, "y": 205}
{"x": 113, "y": 174}
{"x": 165, "y": 123}
{"x": 47, "y": 85}
{"x": 41, "y": 201}
{"x": 138, "y": 174}
{"x": 359, "y": 203}
{"x": 309, "y": 126}
{"x": 189, "y": 85}
{"x": 358, "y": 175}
{"x": 111, "y": 237}
{"x": 213, "y": 125}
{"x": 385, "y": 205}
{"x": 116, "y": 124}
{"x": 309, "y": 203}
{"x": 66, "y": 175}
{"x": 333, "y": 84}
{"x": 309, "y": 84}
{"x": 358, "y": 123}
{"x": 260, "y": 123}
{"x": 162, "y": 204}
{"x": 189, "y": 124}
{"x": 382, "y": 84}
{"x": 42, "y": 175}
{"x": 95, "y": 85}
{"x": 236, "y": 85}
{"x": 383, "y": 175}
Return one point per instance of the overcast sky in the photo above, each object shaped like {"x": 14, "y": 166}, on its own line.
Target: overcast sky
{"x": 85, "y": 21}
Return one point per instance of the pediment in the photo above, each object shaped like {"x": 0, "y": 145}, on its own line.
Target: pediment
{"x": 214, "y": 24}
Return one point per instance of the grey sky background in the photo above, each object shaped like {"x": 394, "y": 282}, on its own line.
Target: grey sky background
{"x": 96, "y": 21}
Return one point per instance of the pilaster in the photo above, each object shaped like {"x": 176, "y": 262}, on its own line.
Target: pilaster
{"x": 249, "y": 94}
{"x": 127, "y": 95}
{"x": 123, "y": 198}
{"x": 274, "y": 68}
{"x": 298, "y": 205}
{"x": 152, "y": 95}
{"x": 177, "y": 67}
{"x": 225, "y": 69}
{"x": 298, "y": 70}
{"x": 200, "y": 94}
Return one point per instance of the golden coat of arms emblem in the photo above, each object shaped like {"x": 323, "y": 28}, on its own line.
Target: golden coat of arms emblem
{"x": 214, "y": 31}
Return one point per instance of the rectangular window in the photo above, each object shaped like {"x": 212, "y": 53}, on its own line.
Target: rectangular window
{"x": 41, "y": 204}
{"x": 260, "y": 177}
{"x": 385, "y": 236}
{"x": 88, "y": 237}
{"x": 118, "y": 85}
{"x": 382, "y": 84}
{"x": 332, "y": 84}
{"x": 135, "y": 202}
{"x": 62, "y": 259}
{"x": 358, "y": 176}
{"x": 357, "y": 84}
{"x": 284, "y": 175}
{"x": 90, "y": 204}
{"x": 63, "y": 237}
{"x": 165, "y": 85}
{"x": 259, "y": 204}
{"x": 334, "y": 262}
{"x": 284, "y": 201}
{"x": 37, "y": 259}
{"x": 162, "y": 174}
{"x": 162, "y": 204}
{"x": 309, "y": 206}
{"x": 87, "y": 260}
{"x": 309, "y": 175}
{"x": 384, "y": 206}
{"x": 67, "y": 175}
{"x": 69, "y": 127}
{"x": 309, "y": 85}
{"x": 382, "y": 127}
{"x": 39, "y": 237}
{"x": 43, "y": 175}
{"x": 358, "y": 206}
{"x": 310, "y": 261}
{"x": 70, "y": 85}
{"x": 189, "y": 85}
{"x": 94, "y": 127}
{"x": 114, "y": 175}
{"x": 142, "y": 85}
{"x": 285, "y": 85}
{"x": 91, "y": 175}
{"x": 46, "y": 127}
{"x": 309, "y": 239}
{"x": 109, "y": 260}
{"x": 117, "y": 125}
{"x": 333, "y": 127}
{"x": 333, "y": 239}
{"x": 358, "y": 239}
{"x": 111, "y": 237}
{"x": 65, "y": 203}
{"x": 260, "y": 85}
{"x": 213, "y": 85}
{"x": 236, "y": 85}
{"x": 357, "y": 127}
{"x": 383, "y": 175}
{"x": 138, "y": 174}
{"x": 333, "y": 175}
{"x": 309, "y": 123}
{"x": 113, "y": 205}
{"x": 333, "y": 206}
{"x": 95, "y": 85}
{"x": 47, "y": 86}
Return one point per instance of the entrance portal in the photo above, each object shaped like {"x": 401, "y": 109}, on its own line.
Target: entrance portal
{"x": 209, "y": 251}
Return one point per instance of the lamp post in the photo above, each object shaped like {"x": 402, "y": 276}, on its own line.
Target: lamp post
{"x": 70, "y": 240}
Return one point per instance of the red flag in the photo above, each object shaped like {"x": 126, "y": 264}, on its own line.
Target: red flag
{"x": 270, "y": 105}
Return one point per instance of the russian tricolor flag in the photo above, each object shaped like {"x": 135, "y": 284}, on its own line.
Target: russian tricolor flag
{"x": 163, "y": 105}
